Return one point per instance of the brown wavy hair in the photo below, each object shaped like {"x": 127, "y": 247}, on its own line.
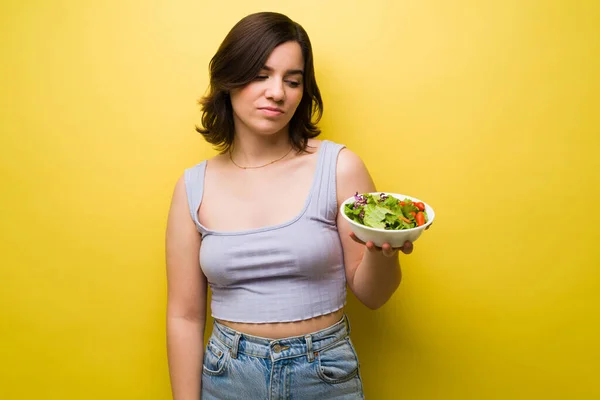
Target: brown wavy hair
{"x": 239, "y": 59}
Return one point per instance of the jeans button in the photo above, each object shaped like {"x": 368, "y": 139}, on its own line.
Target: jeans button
{"x": 277, "y": 348}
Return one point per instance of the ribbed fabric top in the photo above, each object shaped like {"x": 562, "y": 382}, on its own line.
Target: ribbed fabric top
{"x": 286, "y": 272}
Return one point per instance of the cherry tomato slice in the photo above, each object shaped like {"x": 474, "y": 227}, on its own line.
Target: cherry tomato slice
{"x": 420, "y": 218}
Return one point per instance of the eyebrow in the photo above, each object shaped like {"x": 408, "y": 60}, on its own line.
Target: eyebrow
{"x": 288, "y": 72}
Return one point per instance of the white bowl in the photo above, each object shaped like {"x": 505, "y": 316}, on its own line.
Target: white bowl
{"x": 396, "y": 238}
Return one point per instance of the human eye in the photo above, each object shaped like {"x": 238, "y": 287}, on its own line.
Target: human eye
{"x": 261, "y": 77}
{"x": 293, "y": 84}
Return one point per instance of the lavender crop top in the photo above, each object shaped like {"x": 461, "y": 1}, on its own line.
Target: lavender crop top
{"x": 287, "y": 272}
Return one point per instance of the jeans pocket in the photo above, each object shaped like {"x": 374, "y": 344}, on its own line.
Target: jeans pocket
{"x": 215, "y": 358}
{"x": 338, "y": 363}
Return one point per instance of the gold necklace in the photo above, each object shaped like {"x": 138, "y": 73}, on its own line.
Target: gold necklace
{"x": 260, "y": 166}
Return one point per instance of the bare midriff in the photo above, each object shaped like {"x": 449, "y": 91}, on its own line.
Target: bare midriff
{"x": 286, "y": 329}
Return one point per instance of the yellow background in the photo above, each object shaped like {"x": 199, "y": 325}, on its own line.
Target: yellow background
{"x": 489, "y": 111}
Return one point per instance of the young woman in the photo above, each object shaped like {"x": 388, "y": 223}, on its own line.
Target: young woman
{"x": 259, "y": 225}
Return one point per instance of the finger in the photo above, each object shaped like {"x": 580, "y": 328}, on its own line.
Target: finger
{"x": 388, "y": 250}
{"x": 407, "y": 248}
{"x": 371, "y": 246}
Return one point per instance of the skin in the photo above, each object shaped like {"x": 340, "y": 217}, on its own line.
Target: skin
{"x": 373, "y": 273}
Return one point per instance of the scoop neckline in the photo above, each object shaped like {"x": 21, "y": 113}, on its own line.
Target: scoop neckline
{"x": 205, "y": 231}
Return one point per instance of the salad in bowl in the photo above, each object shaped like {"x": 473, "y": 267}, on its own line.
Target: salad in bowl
{"x": 383, "y": 217}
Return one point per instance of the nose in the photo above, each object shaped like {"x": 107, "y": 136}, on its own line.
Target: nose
{"x": 275, "y": 91}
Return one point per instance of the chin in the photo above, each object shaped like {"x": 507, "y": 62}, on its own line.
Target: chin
{"x": 268, "y": 129}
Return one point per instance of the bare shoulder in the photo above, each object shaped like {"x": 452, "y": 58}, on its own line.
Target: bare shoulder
{"x": 313, "y": 145}
{"x": 178, "y": 213}
{"x": 349, "y": 162}
{"x": 219, "y": 159}
{"x": 352, "y": 175}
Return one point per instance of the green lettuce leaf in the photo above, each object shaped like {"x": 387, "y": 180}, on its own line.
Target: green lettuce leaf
{"x": 375, "y": 216}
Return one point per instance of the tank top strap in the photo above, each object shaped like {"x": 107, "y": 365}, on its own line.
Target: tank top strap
{"x": 194, "y": 187}
{"x": 323, "y": 203}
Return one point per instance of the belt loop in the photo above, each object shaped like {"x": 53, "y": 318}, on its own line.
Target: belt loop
{"x": 309, "y": 352}
{"x": 235, "y": 345}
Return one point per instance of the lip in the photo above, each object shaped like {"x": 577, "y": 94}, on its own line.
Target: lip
{"x": 271, "y": 110}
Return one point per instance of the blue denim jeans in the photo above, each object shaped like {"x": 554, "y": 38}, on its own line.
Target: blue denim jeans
{"x": 320, "y": 365}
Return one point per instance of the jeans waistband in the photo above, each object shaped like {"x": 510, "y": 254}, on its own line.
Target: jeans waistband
{"x": 295, "y": 346}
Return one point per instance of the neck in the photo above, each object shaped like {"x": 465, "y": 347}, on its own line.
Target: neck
{"x": 253, "y": 150}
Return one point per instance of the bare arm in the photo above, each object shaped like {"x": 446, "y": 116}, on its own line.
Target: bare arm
{"x": 186, "y": 302}
{"x": 372, "y": 275}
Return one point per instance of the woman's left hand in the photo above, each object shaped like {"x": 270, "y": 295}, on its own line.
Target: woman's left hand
{"x": 386, "y": 249}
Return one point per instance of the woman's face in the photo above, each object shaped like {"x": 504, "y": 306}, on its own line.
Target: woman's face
{"x": 266, "y": 105}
